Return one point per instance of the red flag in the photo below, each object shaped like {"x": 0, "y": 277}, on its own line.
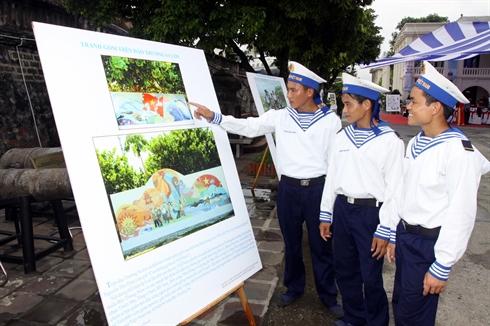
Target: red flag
{"x": 154, "y": 103}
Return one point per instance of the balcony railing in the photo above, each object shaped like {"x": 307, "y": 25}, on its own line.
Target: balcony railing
{"x": 476, "y": 72}
{"x": 467, "y": 72}
{"x": 416, "y": 70}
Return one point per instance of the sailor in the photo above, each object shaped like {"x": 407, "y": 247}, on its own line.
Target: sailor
{"x": 362, "y": 192}
{"x": 304, "y": 131}
{"x": 442, "y": 173}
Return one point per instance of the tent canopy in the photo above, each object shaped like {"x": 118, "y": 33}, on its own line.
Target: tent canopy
{"x": 453, "y": 41}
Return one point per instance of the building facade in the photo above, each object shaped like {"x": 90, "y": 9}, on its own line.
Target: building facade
{"x": 472, "y": 76}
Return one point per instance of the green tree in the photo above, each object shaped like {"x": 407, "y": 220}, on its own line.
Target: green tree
{"x": 432, "y": 18}
{"x": 345, "y": 45}
{"x": 117, "y": 173}
{"x": 322, "y": 34}
{"x": 138, "y": 144}
{"x": 185, "y": 151}
{"x": 137, "y": 75}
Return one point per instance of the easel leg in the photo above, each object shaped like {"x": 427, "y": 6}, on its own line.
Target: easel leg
{"x": 243, "y": 300}
{"x": 246, "y": 306}
{"x": 258, "y": 171}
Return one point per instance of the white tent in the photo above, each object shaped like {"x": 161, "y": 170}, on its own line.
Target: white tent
{"x": 453, "y": 41}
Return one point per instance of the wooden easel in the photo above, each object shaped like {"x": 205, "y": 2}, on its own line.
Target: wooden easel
{"x": 258, "y": 170}
{"x": 243, "y": 300}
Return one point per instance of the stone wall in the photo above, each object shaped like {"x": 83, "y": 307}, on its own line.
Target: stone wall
{"x": 232, "y": 88}
{"x": 26, "y": 118}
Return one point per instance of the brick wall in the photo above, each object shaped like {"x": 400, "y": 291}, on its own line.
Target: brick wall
{"x": 19, "y": 99}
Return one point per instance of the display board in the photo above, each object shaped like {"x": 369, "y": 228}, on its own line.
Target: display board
{"x": 157, "y": 192}
{"x": 269, "y": 93}
{"x": 393, "y": 103}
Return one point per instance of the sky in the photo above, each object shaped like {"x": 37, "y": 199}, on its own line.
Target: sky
{"x": 391, "y": 12}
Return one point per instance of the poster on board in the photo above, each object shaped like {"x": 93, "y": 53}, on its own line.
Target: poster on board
{"x": 157, "y": 192}
{"x": 269, "y": 93}
{"x": 393, "y": 103}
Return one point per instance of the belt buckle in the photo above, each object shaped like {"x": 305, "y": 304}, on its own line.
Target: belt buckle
{"x": 350, "y": 200}
{"x": 305, "y": 182}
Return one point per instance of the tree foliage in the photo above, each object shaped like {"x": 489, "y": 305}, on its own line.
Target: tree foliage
{"x": 325, "y": 35}
{"x": 137, "y": 144}
{"x": 343, "y": 45}
{"x": 432, "y": 18}
{"x": 137, "y": 75}
{"x": 117, "y": 173}
{"x": 186, "y": 151}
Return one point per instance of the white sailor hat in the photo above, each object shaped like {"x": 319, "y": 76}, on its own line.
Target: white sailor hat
{"x": 354, "y": 85}
{"x": 438, "y": 86}
{"x": 302, "y": 75}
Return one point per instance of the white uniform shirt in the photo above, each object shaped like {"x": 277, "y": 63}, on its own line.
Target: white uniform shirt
{"x": 364, "y": 165}
{"x": 302, "y": 151}
{"x": 441, "y": 184}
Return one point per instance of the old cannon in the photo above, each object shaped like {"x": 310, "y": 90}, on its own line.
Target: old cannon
{"x": 22, "y": 184}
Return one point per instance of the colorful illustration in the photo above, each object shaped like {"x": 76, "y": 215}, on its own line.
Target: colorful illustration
{"x": 152, "y": 201}
{"x": 146, "y": 92}
{"x": 169, "y": 206}
{"x": 149, "y": 108}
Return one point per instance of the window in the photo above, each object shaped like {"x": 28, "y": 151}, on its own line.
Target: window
{"x": 438, "y": 64}
{"x": 472, "y": 62}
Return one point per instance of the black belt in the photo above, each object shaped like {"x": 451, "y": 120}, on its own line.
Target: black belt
{"x": 304, "y": 182}
{"x": 361, "y": 201}
{"x": 418, "y": 229}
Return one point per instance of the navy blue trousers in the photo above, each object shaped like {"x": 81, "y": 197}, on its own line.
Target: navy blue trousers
{"x": 295, "y": 205}
{"x": 358, "y": 274}
{"x": 414, "y": 256}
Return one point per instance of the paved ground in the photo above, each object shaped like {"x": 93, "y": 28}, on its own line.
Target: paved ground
{"x": 63, "y": 290}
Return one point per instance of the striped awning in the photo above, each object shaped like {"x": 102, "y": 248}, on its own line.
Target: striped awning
{"x": 453, "y": 41}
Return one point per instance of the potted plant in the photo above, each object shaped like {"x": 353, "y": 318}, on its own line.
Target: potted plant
{"x": 267, "y": 165}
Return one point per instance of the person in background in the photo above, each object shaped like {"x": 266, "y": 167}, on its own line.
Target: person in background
{"x": 484, "y": 115}
{"x": 278, "y": 101}
{"x": 304, "y": 132}
{"x": 273, "y": 100}
{"x": 407, "y": 102}
{"x": 440, "y": 200}
{"x": 361, "y": 199}
{"x": 267, "y": 99}
{"x": 459, "y": 119}
{"x": 467, "y": 106}
{"x": 340, "y": 104}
